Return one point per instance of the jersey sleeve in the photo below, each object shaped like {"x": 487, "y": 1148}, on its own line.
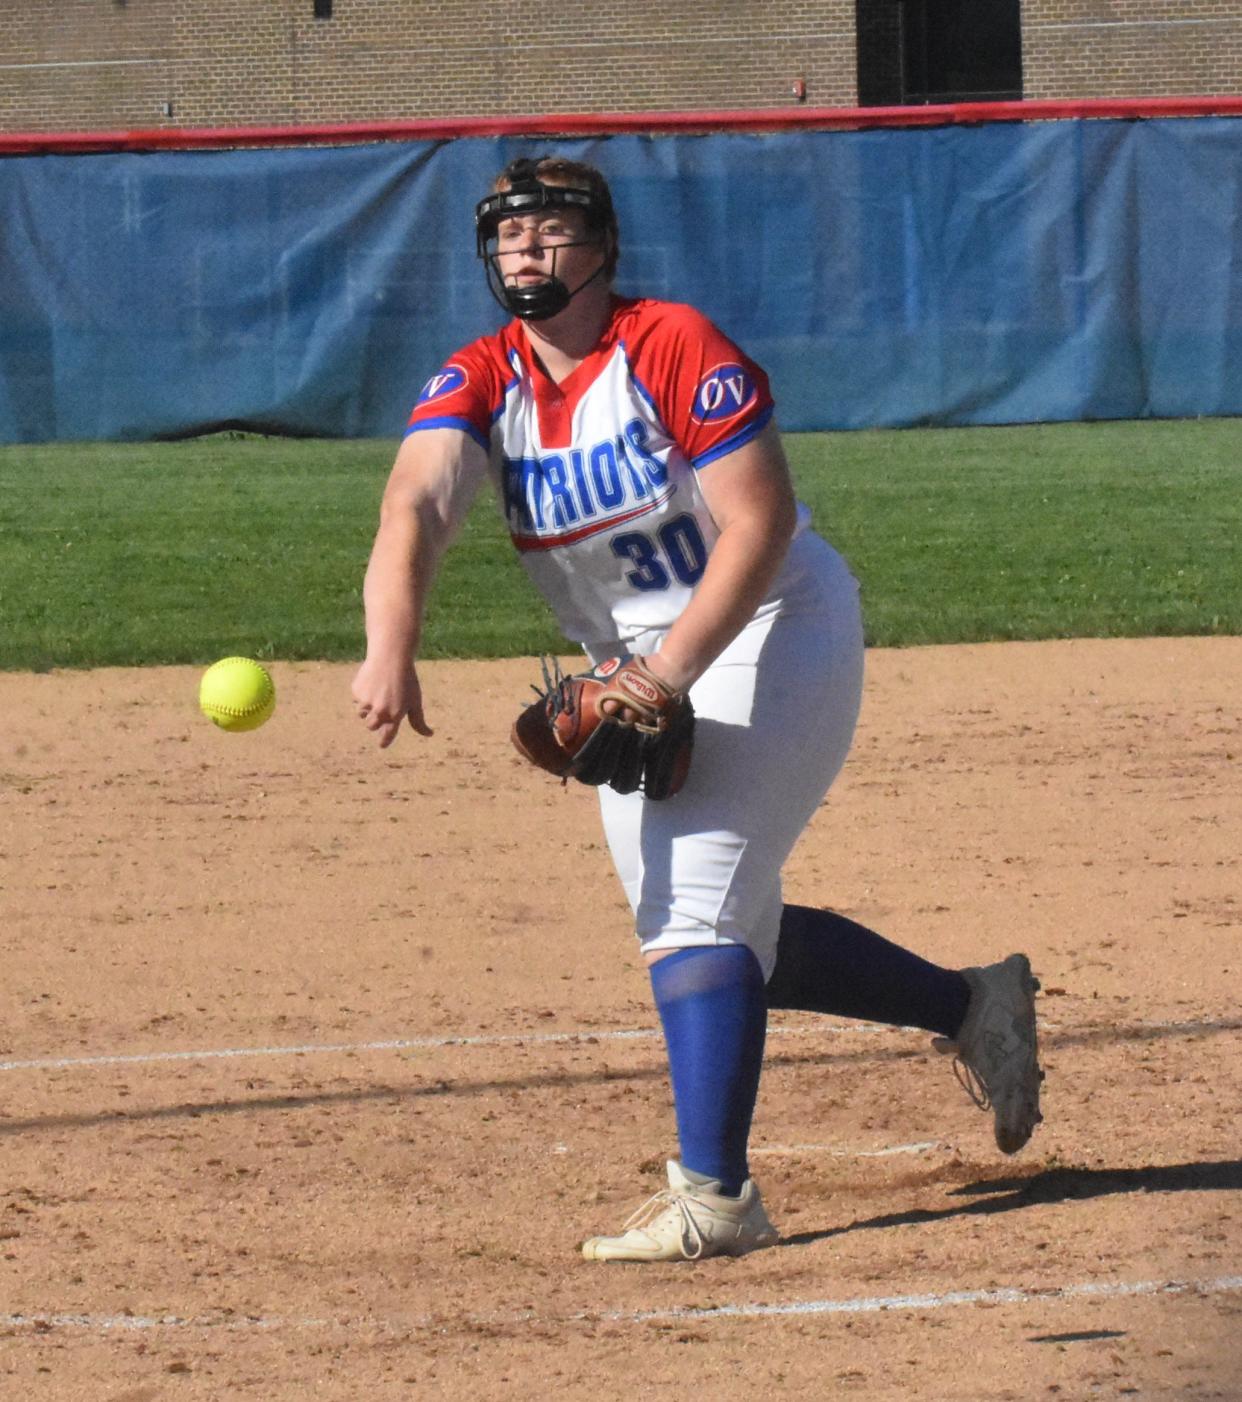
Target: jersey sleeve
{"x": 466, "y": 393}
{"x": 709, "y": 394}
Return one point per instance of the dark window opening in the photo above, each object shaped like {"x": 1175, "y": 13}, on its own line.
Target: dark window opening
{"x": 877, "y": 28}
{"x": 323, "y": 9}
{"x": 921, "y": 51}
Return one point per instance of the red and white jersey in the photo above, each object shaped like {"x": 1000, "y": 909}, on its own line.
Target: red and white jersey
{"x": 598, "y": 476}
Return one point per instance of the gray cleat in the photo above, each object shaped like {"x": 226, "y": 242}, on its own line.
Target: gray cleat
{"x": 996, "y": 1051}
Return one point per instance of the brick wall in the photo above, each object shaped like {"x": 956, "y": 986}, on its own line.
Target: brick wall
{"x": 83, "y": 64}
{"x": 1131, "y": 48}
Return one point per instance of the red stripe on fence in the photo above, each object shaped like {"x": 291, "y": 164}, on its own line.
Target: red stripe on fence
{"x": 759, "y": 120}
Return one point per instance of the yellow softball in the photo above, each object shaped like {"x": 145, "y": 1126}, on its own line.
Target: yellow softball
{"x": 237, "y": 694}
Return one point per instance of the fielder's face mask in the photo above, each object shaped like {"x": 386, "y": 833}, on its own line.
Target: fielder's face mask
{"x": 527, "y": 194}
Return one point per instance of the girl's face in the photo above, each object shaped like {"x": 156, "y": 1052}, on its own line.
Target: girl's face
{"x": 553, "y": 242}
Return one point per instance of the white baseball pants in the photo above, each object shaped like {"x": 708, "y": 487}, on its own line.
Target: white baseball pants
{"x": 775, "y": 717}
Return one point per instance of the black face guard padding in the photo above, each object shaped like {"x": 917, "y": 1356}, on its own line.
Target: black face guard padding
{"x": 528, "y": 195}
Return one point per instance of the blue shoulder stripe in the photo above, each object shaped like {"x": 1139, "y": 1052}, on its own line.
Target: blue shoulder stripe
{"x": 451, "y": 422}
{"x": 731, "y": 445}
{"x": 642, "y": 388}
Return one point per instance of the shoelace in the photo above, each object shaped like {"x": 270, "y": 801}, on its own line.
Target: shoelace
{"x": 972, "y": 1083}
{"x": 662, "y": 1200}
{"x": 965, "y": 1074}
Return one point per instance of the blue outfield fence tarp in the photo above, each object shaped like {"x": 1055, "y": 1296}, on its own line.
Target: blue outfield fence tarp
{"x": 956, "y": 275}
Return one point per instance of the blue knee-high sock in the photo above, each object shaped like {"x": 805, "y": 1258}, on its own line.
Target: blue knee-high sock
{"x": 714, "y": 1011}
{"x": 828, "y": 964}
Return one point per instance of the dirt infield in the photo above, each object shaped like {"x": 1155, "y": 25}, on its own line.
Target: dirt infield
{"x": 316, "y": 1062}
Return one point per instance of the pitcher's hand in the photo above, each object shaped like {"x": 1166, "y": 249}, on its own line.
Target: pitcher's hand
{"x": 386, "y": 693}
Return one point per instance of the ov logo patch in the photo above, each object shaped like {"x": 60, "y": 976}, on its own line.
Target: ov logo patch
{"x": 723, "y": 392}
{"x": 451, "y": 378}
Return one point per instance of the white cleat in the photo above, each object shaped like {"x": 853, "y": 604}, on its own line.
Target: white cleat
{"x": 996, "y": 1051}
{"x": 687, "y": 1222}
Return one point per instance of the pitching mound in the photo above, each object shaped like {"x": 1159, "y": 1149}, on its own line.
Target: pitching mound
{"x": 318, "y": 1061}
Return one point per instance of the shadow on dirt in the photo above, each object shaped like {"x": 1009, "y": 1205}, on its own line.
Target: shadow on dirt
{"x": 369, "y": 1091}
{"x": 1049, "y": 1186}
{"x": 1081, "y": 1336}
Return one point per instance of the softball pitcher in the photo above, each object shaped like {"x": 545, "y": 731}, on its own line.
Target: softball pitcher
{"x": 633, "y": 450}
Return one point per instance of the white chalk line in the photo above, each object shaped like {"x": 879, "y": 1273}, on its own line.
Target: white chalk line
{"x": 582, "y": 1036}
{"x": 1010, "y": 1295}
{"x": 837, "y": 1152}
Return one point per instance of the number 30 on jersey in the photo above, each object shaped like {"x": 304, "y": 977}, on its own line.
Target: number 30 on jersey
{"x": 677, "y": 548}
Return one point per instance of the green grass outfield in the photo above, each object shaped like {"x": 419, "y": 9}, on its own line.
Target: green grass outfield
{"x": 131, "y": 554}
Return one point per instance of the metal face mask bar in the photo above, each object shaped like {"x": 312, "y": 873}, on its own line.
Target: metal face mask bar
{"x": 527, "y": 194}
